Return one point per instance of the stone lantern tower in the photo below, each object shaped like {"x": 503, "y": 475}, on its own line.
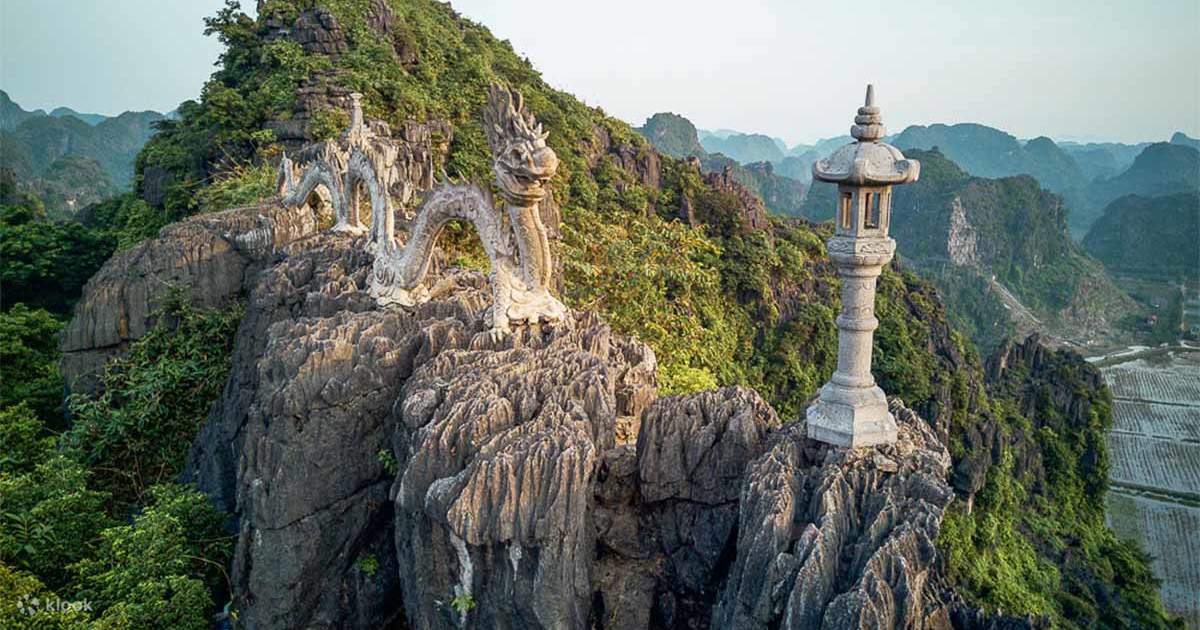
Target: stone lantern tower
{"x": 852, "y": 410}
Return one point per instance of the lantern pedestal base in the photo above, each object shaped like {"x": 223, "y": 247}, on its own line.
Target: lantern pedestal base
{"x": 851, "y": 417}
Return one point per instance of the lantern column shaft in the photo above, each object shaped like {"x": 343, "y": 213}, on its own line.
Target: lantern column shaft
{"x": 852, "y": 411}
{"x": 856, "y": 324}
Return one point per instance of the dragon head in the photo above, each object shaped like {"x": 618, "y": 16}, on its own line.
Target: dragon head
{"x": 523, "y": 163}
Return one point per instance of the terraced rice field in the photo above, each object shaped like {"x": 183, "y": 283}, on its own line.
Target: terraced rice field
{"x": 1166, "y": 530}
{"x": 1156, "y": 463}
{"x": 1173, "y": 422}
{"x": 1154, "y": 467}
{"x": 1138, "y": 380}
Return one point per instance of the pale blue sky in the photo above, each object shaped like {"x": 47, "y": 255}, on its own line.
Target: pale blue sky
{"x": 1124, "y": 70}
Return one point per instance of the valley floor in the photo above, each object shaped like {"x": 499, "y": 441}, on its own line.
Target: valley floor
{"x": 1154, "y": 449}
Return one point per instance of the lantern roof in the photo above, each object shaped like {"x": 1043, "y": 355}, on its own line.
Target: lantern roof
{"x": 868, "y": 161}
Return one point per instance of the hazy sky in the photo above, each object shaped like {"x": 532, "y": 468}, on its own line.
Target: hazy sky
{"x": 1126, "y": 70}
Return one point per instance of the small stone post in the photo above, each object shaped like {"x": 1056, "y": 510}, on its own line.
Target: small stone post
{"x": 852, "y": 410}
{"x": 356, "y": 114}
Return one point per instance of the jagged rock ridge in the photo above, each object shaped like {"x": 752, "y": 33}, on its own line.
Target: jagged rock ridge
{"x": 539, "y": 477}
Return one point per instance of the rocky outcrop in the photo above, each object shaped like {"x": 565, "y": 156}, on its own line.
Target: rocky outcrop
{"x": 667, "y": 509}
{"x": 498, "y": 450}
{"x": 780, "y": 193}
{"x": 387, "y": 463}
{"x": 831, "y": 538}
{"x": 962, "y": 239}
{"x": 753, "y": 213}
{"x": 210, "y": 257}
{"x": 215, "y": 257}
{"x": 316, "y": 30}
{"x": 639, "y": 160}
{"x": 290, "y": 448}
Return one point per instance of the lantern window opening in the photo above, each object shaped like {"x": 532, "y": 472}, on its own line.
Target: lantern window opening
{"x": 871, "y": 216}
{"x": 846, "y": 210}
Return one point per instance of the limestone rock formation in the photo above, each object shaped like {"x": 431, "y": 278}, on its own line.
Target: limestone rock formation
{"x": 209, "y": 256}
{"x": 531, "y": 481}
{"x": 831, "y": 538}
{"x": 316, "y": 30}
{"x": 753, "y": 212}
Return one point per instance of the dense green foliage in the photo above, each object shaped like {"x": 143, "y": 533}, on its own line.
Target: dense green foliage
{"x": 1035, "y": 540}
{"x": 28, "y": 361}
{"x": 46, "y": 263}
{"x": 64, "y": 500}
{"x": 162, "y": 569}
{"x": 986, "y": 551}
{"x": 136, "y": 433}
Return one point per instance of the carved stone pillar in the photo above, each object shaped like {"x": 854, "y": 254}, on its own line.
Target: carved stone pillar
{"x": 852, "y": 409}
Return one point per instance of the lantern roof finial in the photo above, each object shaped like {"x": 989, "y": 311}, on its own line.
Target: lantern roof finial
{"x": 868, "y": 124}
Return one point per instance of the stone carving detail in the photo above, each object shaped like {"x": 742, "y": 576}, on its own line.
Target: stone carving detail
{"x": 885, "y": 247}
{"x": 514, "y": 238}
{"x": 363, "y": 156}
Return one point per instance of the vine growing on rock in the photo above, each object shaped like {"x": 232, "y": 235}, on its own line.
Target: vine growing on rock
{"x": 136, "y": 433}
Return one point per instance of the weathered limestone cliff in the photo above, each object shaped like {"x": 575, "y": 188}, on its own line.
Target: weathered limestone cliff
{"x": 210, "y": 256}
{"x": 388, "y": 463}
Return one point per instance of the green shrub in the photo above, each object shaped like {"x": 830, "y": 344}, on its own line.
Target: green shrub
{"x": 46, "y": 263}
{"x": 161, "y": 569}
{"x": 20, "y": 591}
{"x": 23, "y": 440}
{"x": 658, "y": 281}
{"x": 29, "y": 362}
{"x": 242, "y": 185}
{"x": 49, "y": 518}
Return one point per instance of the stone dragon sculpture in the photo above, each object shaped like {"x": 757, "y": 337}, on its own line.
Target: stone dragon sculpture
{"x": 513, "y": 237}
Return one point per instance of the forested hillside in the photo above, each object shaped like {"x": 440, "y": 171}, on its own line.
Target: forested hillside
{"x": 677, "y": 137}
{"x": 70, "y": 160}
{"x": 1149, "y": 236}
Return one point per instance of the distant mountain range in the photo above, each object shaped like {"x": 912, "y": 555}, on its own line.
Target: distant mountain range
{"x": 745, "y": 148}
{"x": 1088, "y": 176}
{"x": 1160, "y": 169}
{"x": 988, "y": 152}
{"x": 676, "y": 136}
{"x": 723, "y": 134}
{"x": 70, "y": 159}
{"x": 992, "y": 231}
